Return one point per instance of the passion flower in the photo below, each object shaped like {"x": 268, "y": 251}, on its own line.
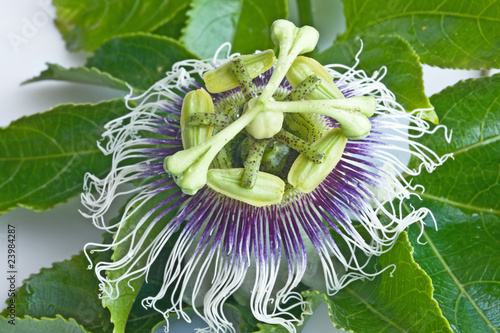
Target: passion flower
{"x": 258, "y": 160}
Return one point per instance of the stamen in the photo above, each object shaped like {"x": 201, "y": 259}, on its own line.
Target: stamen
{"x": 245, "y": 82}
{"x": 268, "y": 189}
{"x": 195, "y": 101}
{"x": 252, "y": 163}
{"x": 300, "y": 145}
{"x": 308, "y": 127}
{"x": 304, "y": 67}
{"x": 222, "y": 79}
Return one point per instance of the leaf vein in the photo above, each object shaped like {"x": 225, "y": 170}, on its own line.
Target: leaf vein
{"x": 456, "y": 281}
{"x": 371, "y": 308}
{"x": 458, "y": 204}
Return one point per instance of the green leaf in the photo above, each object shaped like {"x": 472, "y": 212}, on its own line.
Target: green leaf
{"x": 120, "y": 307}
{"x": 404, "y": 72}
{"x": 68, "y": 289}
{"x": 463, "y": 255}
{"x": 139, "y": 59}
{"x": 244, "y": 23}
{"x": 44, "y": 325}
{"x": 173, "y": 28}
{"x": 86, "y": 24}
{"x": 313, "y": 304}
{"x": 141, "y": 319}
{"x": 79, "y": 74}
{"x": 127, "y": 312}
{"x": 399, "y": 301}
{"x": 275, "y": 328}
{"x": 268, "y": 328}
{"x": 240, "y": 316}
{"x": 471, "y": 110}
{"x": 45, "y": 156}
{"x": 458, "y": 34}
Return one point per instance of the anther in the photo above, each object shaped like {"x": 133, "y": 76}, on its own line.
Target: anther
{"x": 304, "y": 67}
{"x": 221, "y": 79}
{"x": 194, "y": 102}
{"x": 268, "y": 189}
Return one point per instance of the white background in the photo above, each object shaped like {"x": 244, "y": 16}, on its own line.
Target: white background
{"x": 28, "y": 39}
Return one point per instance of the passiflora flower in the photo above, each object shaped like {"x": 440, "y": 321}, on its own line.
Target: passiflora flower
{"x": 273, "y": 171}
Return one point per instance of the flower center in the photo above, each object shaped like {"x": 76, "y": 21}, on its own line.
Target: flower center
{"x": 252, "y": 142}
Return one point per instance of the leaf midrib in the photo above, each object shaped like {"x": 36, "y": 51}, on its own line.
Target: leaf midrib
{"x": 34, "y": 190}
{"x": 456, "y": 281}
{"x": 371, "y": 308}
{"x": 492, "y": 139}
{"x": 457, "y": 204}
{"x": 40, "y": 157}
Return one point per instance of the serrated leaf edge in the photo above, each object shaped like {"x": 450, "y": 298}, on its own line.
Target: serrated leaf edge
{"x": 54, "y": 266}
{"x": 63, "y": 105}
{"x": 70, "y": 44}
{"x": 85, "y": 68}
{"x": 149, "y": 35}
{"x": 70, "y": 320}
{"x": 188, "y": 21}
{"x": 38, "y": 208}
